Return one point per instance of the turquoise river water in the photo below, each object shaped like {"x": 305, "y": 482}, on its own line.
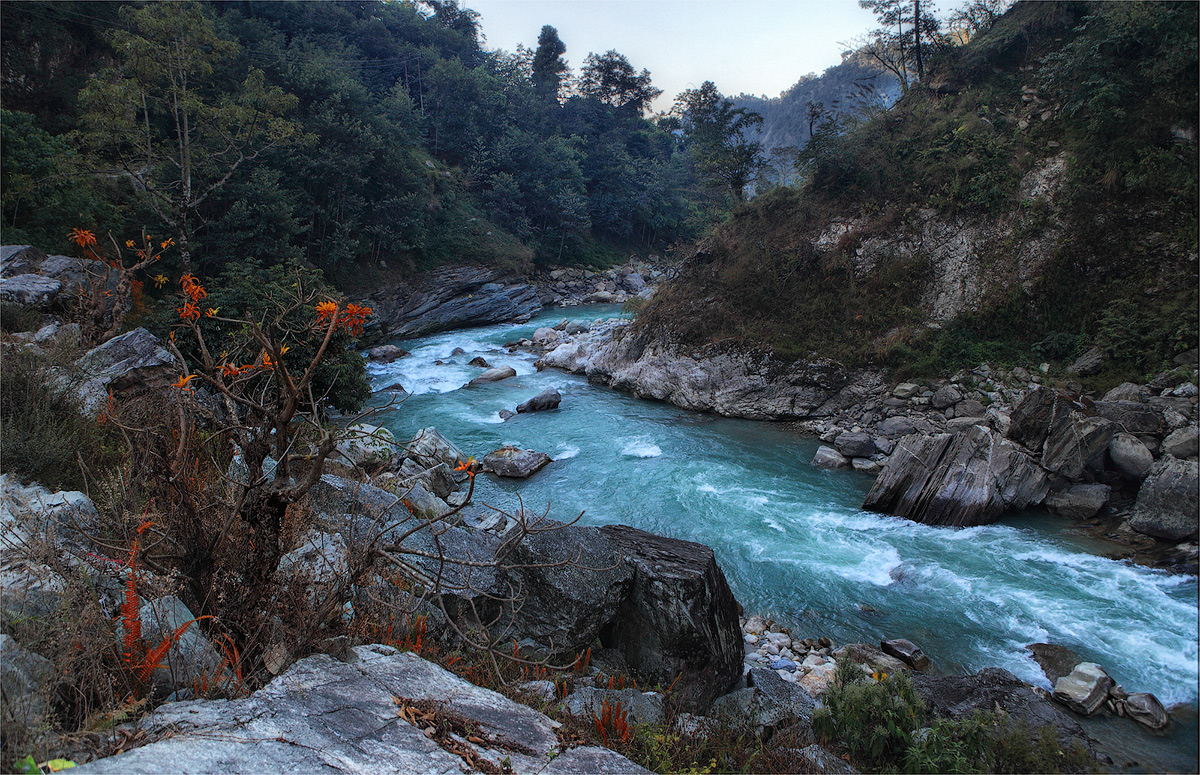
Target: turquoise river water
{"x": 792, "y": 539}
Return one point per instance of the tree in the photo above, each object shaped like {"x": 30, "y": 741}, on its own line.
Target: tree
{"x": 975, "y": 17}
{"x": 716, "y": 135}
{"x": 612, "y": 80}
{"x": 549, "y": 68}
{"x": 905, "y": 33}
{"x": 158, "y": 115}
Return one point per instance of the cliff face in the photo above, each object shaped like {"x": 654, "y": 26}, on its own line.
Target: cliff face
{"x": 1005, "y": 213}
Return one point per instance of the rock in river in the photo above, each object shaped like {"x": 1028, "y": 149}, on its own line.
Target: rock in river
{"x": 494, "y": 375}
{"x": 547, "y": 399}
{"x": 1085, "y": 689}
{"x": 514, "y": 462}
{"x": 1167, "y": 502}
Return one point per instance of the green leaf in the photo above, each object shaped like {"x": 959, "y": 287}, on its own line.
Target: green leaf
{"x": 26, "y": 765}
{"x": 56, "y": 765}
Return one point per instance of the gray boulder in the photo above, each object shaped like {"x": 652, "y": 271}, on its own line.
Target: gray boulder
{"x": 1182, "y": 443}
{"x": 1129, "y": 455}
{"x": 386, "y": 353}
{"x": 945, "y": 396}
{"x": 1087, "y": 364}
{"x": 438, "y": 479}
{"x": 494, "y": 375}
{"x": 1167, "y": 503}
{"x": 1128, "y": 391}
{"x": 192, "y": 659}
{"x": 515, "y": 463}
{"x": 895, "y": 427}
{"x": 30, "y": 290}
{"x": 24, "y": 678}
{"x": 429, "y": 448}
{"x": 819, "y": 760}
{"x": 969, "y": 408}
{"x": 991, "y": 688}
{"x": 1145, "y": 709}
{"x": 20, "y": 259}
{"x": 679, "y": 620}
{"x": 1033, "y": 418}
{"x": 906, "y": 390}
{"x": 132, "y": 361}
{"x": 1079, "y": 501}
{"x": 1085, "y": 689}
{"x": 547, "y": 399}
{"x": 322, "y": 715}
{"x": 971, "y": 478}
{"x": 1131, "y": 416}
{"x": 855, "y": 444}
{"x": 828, "y": 457}
{"x": 587, "y": 702}
{"x": 906, "y": 651}
{"x": 1075, "y": 444}
{"x": 767, "y": 705}
{"x": 363, "y": 444}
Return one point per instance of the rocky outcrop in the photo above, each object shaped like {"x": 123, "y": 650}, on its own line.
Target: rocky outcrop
{"x": 453, "y": 297}
{"x": 324, "y": 715}
{"x": 992, "y": 688}
{"x": 970, "y": 478}
{"x": 1167, "y": 503}
{"x": 30, "y": 277}
{"x": 587, "y": 702}
{"x": 680, "y": 619}
{"x": 1079, "y": 501}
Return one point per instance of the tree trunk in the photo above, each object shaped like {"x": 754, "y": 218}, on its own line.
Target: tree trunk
{"x": 917, "y": 40}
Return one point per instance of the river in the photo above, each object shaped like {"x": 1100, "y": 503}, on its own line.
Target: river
{"x": 792, "y": 539}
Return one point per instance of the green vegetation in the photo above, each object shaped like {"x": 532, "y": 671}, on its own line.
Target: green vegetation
{"x": 1110, "y": 88}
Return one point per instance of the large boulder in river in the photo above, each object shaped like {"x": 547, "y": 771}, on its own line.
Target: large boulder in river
{"x": 855, "y": 444}
{"x": 970, "y": 478}
{"x": 991, "y": 688}
{"x": 132, "y": 361}
{"x": 679, "y": 620}
{"x": 1084, "y": 689}
{"x": 514, "y": 462}
{"x": 453, "y": 297}
{"x": 386, "y": 353}
{"x": 547, "y": 399}
{"x": 494, "y": 375}
{"x": 1167, "y": 503}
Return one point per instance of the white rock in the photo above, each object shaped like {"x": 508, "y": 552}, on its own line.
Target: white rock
{"x": 751, "y": 638}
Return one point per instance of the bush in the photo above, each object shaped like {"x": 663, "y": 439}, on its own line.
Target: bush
{"x": 875, "y": 719}
{"x": 15, "y": 318}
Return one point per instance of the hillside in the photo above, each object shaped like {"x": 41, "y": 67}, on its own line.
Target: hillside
{"x": 1037, "y": 200}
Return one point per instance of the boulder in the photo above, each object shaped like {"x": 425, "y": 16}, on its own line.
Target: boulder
{"x": 816, "y": 759}
{"x": 515, "y": 463}
{"x": 191, "y": 660}
{"x": 24, "y": 678}
{"x": 494, "y": 375}
{"x": 818, "y": 680}
{"x": 957, "y": 697}
{"x": 20, "y": 259}
{"x": 1167, "y": 503}
{"x": 438, "y": 479}
{"x": 906, "y": 390}
{"x": 322, "y": 715}
{"x": 429, "y": 448}
{"x": 362, "y": 444}
{"x": 855, "y": 444}
{"x": 1145, "y": 709}
{"x": 1079, "y": 501}
{"x": 1075, "y": 444}
{"x": 1040, "y": 410}
{"x": 1131, "y": 416}
{"x": 768, "y": 704}
{"x": 944, "y": 397}
{"x": 587, "y": 702}
{"x": 479, "y": 361}
{"x": 895, "y": 427}
{"x": 828, "y": 457}
{"x": 452, "y": 297}
{"x": 1128, "y": 391}
{"x": 131, "y": 361}
{"x": 1084, "y": 689}
{"x": 906, "y": 651}
{"x": 546, "y": 336}
{"x": 1056, "y": 661}
{"x": 969, "y": 408}
{"x": 1129, "y": 455}
{"x": 971, "y": 478}
{"x": 30, "y": 290}
{"x": 1182, "y": 443}
{"x": 547, "y": 399}
{"x": 1087, "y": 364}
{"x": 679, "y": 620}
{"x": 386, "y": 353}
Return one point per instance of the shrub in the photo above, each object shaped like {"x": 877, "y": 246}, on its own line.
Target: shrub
{"x": 875, "y": 719}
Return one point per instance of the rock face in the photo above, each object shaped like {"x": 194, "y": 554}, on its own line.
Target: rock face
{"x": 970, "y": 478}
{"x": 134, "y": 360}
{"x": 515, "y": 463}
{"x": 327, "y": 716}
{"x": 679, "y": 617}
{"x": 958, "y": 697}
{"x": 547, "y": 399}
{"x": 1085, "y": 689}
{"x": 1167, "y": 503}
{"x": 454, "y": 297}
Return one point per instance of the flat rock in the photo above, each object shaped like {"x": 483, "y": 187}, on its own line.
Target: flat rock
{"x": 1167, "y": 504}
{"x": 514, "y": 462}
{"x": 679, "y": 620}
{"x": 494, "y": 375}
{"x": 971, "y": 478}
{"x": 1084, "y": 689}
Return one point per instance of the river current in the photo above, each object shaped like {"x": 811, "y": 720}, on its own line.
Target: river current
{"x": 792, "y": 539}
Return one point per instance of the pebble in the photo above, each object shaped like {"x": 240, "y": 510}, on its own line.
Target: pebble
{"x": 771, "y": 648}
{"x": 751, "y": 638}
{"x": 783, "y": 664}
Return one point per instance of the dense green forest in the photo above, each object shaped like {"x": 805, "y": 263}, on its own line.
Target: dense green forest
{"x": 348, "y": 135}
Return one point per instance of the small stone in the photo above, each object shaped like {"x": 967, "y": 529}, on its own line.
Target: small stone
{"x": 751, "y": 638}
{"x": 783, "y": 664}
{"x": 1145, "y": 709}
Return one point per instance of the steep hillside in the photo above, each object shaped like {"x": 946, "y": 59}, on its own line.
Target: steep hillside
{"x": 1036, "y": 200}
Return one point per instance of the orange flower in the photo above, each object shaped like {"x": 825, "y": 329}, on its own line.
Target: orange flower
{"x": 325, "y": 310}
{"x": 82, "y": 237}
{"x": 168, "y": 242}
{"x": 470, "y": 467}
{"x": 267, "y": 363}
{"x": 189, "y": 311}
{"x": 211, "y": 311}
{"x": 181, "y": 383}
{"x": 128, "y": 243}
{"x": 230, "y": 371}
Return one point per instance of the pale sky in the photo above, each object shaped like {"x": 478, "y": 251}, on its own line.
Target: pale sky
{"x": 753, "y": 46}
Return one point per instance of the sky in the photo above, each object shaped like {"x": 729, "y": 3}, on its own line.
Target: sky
{"x": 758, "y": 47}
